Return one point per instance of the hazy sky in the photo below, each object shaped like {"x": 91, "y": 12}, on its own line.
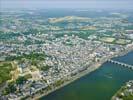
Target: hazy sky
{"x": 67, "y": 4}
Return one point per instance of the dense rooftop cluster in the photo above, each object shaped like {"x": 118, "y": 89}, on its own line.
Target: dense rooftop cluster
{"x": 44, "y": 53}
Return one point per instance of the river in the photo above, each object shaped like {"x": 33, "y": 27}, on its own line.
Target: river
{"x": 101, "y": 84}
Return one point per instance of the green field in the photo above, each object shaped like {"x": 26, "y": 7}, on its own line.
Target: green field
{"x": 122, "y": 41}
{"x": 5, "y": 69}
{"x": 113, "y": 40}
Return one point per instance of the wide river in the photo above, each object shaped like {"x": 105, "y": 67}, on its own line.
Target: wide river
{"x": 101, "y": 84}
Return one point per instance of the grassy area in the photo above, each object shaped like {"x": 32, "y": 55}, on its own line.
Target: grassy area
{"x": 130, "y": 97}
{"x": 107, "y": 39}
{"x": 58, "y": 83}
{"x": 113, "y": 40}
{"x": 5, "y": 69}
{"x": 31, "y": 56}
{"x": 122, "y": 41}
{"x": 82, "y": 34}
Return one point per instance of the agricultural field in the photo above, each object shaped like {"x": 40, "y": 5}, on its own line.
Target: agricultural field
{"x": 122, "y": 41}
{"x": 107, "y": 39}
{"x": 113, "y": 40}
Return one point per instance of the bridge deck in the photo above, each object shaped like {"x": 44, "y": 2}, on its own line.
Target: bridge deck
{"x": 121, "y": 63}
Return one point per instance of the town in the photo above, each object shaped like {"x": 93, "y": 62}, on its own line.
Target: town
{"x": 46, "y": 53}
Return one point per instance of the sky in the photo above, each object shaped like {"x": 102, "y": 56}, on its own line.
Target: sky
{"x": 124, "y": 4}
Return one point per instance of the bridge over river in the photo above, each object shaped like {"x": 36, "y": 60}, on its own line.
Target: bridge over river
{"x": 120, "y": 63}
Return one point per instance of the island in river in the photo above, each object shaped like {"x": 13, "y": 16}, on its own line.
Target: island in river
{"x": 125, "y": 93}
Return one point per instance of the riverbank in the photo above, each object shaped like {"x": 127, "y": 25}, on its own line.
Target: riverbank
{"x": 36, "y": 96}
{"x": 125, "y": 92}
{"x": 79, "y": 75}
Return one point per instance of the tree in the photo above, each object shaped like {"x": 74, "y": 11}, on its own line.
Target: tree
{"x": 21, "y": 80}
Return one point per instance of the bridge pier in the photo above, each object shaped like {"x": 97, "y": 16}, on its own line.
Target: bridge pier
{"x": 120, "y": 63}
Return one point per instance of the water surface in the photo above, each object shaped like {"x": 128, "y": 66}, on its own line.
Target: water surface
{"x": 98, "y": 85}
